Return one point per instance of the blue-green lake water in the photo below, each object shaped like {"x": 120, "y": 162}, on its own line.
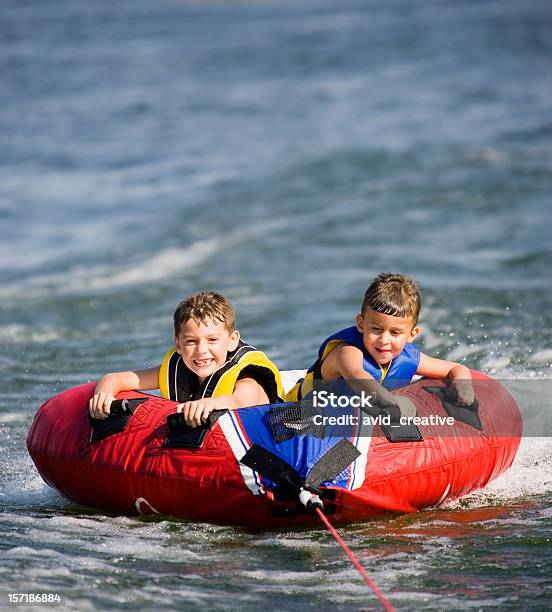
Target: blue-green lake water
{"x": 283, "y": 153}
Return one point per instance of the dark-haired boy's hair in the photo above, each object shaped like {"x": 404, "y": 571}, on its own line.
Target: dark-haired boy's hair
{"x": 204, "y": 306}
{"x": 393, "y": 294}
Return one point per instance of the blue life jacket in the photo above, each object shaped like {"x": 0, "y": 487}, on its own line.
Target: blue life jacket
{"x": 398, "y": 373}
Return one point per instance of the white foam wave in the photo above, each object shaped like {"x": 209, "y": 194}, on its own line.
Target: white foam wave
{"x": 495, "y": 363}
{"x": 162, "y": 266}
{"x": 487, "y": 310}
{"x": 11, "y": 417}
{"x": 17, "y": 332}
{"x": 529, "y": 475}
{"x": 166, "y": 264}
{"x": 28, "y": 489}
{"x": 461, "y": 351}
{"x": 543, "y": 357}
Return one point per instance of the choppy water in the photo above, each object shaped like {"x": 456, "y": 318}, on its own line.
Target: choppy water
{"x": 283, "y": 153}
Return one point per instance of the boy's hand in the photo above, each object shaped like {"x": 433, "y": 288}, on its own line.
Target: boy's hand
{"x": 196, "y": 413}
{"x": 99, "y": 405}
{"x": 464, "y": 389}
{"x": 406, "y": 406}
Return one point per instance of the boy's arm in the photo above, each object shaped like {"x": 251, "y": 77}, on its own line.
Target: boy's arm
{"x": 346, "y": 361}
{"x": 458, "y": 374}
{"x": 110, "y": 384}
{"x": 247, "y": 392}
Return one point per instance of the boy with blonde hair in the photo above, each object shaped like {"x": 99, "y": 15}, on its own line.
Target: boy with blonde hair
{"x": 378, "y": 352}
{"x": 209, "y": 368}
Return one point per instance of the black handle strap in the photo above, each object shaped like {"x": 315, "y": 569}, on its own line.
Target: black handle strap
{"x": 449, "y": 399}
{"x": 120, "y": 412}
{"x": 181, "y": 435}
{"x": 395, "y": 432}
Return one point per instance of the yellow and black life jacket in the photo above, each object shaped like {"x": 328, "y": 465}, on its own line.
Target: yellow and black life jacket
{"x": 177, "y": 382}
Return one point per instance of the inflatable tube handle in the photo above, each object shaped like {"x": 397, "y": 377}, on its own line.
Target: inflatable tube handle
{"x": 449, "y": 399}
{"x": 120, "y": 412}
{"x": 395, "y": 432}
{"x": 181, "y": 435}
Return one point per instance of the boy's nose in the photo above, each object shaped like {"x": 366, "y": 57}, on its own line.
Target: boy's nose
{"x": 201, "y": 348}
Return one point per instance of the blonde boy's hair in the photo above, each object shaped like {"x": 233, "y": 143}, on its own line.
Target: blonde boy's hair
{"x": 393, "y": 294}
{"x": 202, "y": 306}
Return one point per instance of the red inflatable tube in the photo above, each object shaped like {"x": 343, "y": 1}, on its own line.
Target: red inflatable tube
{"x": 131, "y": 472}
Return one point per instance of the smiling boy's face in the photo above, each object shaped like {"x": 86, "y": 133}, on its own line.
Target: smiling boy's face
{"x": 204, "y": 346}
{"x": 384, "y": 335}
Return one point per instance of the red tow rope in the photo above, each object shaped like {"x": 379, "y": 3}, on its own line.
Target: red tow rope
{"x": 384, "y": 601}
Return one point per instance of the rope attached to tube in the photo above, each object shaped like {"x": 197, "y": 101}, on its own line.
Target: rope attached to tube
{"x": 382, "y": 598}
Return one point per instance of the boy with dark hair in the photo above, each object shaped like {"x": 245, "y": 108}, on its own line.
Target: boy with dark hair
{"x": 378, "y": 353}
